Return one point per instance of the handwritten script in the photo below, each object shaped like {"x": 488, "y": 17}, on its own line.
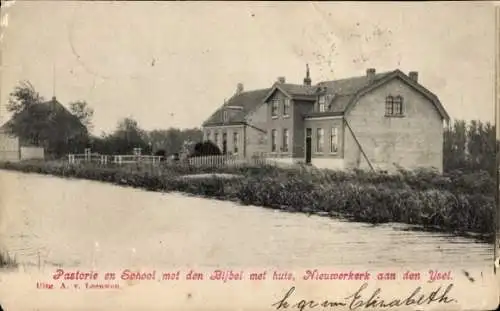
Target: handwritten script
{"x": 363, "y": 299}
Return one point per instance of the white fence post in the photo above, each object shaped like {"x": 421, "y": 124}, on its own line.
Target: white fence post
{"x": 104, "y": 159}
{"x": 213, "y": 161}
{"x": 87, "y": 154}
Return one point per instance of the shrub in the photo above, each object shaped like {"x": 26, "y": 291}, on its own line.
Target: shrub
{"x": 205, "y": 148}
{"x": 161, "y": 153}
{"x": 209, "y": 187}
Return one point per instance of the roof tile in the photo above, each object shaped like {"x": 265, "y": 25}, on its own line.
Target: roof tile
{"x": 246, "y": 100}
{"x": 341, "y": 91}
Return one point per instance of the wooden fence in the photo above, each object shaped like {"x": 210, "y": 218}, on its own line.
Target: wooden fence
{"x": 224, "y": 161}
{"x": 204, "y": 161}
{"x": 115, "y": 159}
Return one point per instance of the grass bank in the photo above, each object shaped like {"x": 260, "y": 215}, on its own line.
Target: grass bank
{"x": 455, "y": 202}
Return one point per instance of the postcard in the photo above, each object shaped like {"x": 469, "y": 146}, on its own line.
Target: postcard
{"x": 249, "y": 155}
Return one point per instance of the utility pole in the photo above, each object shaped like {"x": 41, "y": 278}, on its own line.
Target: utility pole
{"x": 54, "y": 80}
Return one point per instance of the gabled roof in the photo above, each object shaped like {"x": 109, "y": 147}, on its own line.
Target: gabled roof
{"x": 346, "y": 86}
{"x": 343, "y": 93}
{"x": 50, "y": 109}
{"x": 399, "y": 74}
{"x": 240, "y": 105}
{"x": 293, "y": 91}
{"x": 346, "y": 92}
{"x": 350, "y": 85}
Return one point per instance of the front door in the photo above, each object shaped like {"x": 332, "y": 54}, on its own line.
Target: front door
{"x": 308, "y": 145}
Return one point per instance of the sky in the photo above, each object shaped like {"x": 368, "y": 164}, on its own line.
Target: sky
{"x": 171, "y": 64}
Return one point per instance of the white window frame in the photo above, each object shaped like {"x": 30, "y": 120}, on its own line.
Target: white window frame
{"x": 286, "y": 107}
{"x": 320, "y": 140}
{"x": 286, "y": 140}
{"x": 275, "y": 106}
{"x": 274, "y": 136}
{"x": 334, "y": 140}
{"x": 322, "y": 103}
{"x": 394, "y": 106}
{"x": 236, "y": 139}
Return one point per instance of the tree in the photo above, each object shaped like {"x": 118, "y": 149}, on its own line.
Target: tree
{"x": 470, "y": 147}
{"x": 25, "y": 123}
{"x": 455, "y": 142}
{"x": 83, "y": 112}
{"x": 127, "y": 136}
{"x": 23, "y": 96}
{"x": 172, "y": 140}
{"x": 160, "y": 153}
{"x": 205, "y": 148}
{"x": 169, "y": 140}
{"x": 45, "y": 124}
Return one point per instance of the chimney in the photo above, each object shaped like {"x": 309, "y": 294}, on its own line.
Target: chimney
{"x": 307, "y": 79}
{"x": 281, "y": 80}
{"x": 239, "y": 88}
{"x": 370, "y": 73}
{"x": 413, "y": 75}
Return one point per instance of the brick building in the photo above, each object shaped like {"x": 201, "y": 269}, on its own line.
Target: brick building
{"x": 378, "y": 120}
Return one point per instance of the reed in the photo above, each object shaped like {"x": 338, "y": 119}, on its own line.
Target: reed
{"x": 452, "y": 202}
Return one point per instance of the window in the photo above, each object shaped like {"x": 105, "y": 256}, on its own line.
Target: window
{"x": 389, "y": 105}
{"x": 224, "y": 143}
{"x": 329, "y": 102}
{"x": 235, "y": 142}
{"x": 393, "y": 106}
{"x": 208, "y": 135}
{"x": 224, "y": 116}
{"x": 216, "y": 138}
{"x": 334, "y": 140}
{"x": 286, "y": 107}
{"x": 274, "y": 108}
{"x": 273, "y": 141}
{"x": 398, "y": 105}
{"x": 285, "y": 140}
{"x": 322, "y": 103}
{"x": 319, "y": 140}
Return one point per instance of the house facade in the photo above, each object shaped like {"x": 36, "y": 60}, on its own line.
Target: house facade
{"x": 378, "y": 121}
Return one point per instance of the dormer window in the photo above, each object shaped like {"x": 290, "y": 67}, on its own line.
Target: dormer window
{"x": 393, "y": 106}
{"x": 286, "y": 107}
{"x": 224, "y": 116}
{"x": 322, "y": 103}
{"x": 274, "y": 108}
